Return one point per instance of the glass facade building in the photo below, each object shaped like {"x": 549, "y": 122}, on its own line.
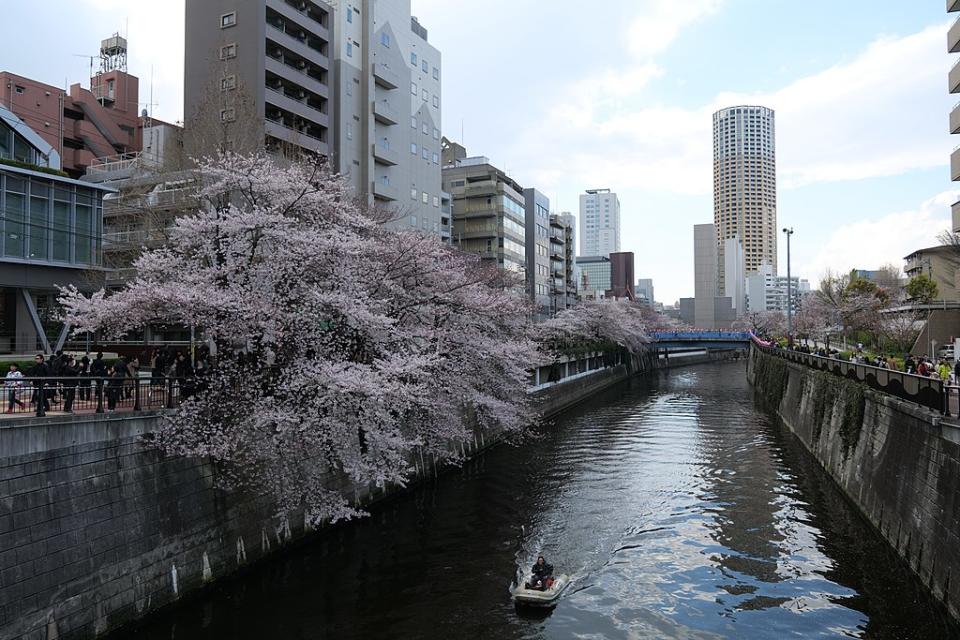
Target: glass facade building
{"x": 50, "y": 220}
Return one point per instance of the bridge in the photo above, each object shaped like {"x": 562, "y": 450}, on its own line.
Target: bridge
{"x": 701, "y": 340}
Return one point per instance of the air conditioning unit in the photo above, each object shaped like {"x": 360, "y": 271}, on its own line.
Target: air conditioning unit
{"x": 302, "y": 6}
{"x": 302, "y": 64}
{"x": 301, "y": 94}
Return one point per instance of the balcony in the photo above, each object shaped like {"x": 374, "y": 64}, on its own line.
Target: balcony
{"x": 297, "y": 14}
{"x": 953, "y": 5}
{"x": 385, "y": 192}
{"x": 385, "y": 77}
{"x": 953, "y": 83}
{"x": 280, "y": 131}
{"x": 953, "y": 38}
{"x": 383, "y": 155}
{"x": 384, "y": 113}
{"x": 299, "y": 107}
{"x": 955, "y": 165}
{"x": 955, "y": 119}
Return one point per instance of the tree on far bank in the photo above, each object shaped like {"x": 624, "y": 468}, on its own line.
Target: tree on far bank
{"x": 922, "y": 289}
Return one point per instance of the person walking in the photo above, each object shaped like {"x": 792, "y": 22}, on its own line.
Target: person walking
{"x": 13, "y": 381}
{"x": 40, "y": 370}
{"x": 68, "y": 378}
{"x": 118, "y": 373}
{"x": 98, "y": 369}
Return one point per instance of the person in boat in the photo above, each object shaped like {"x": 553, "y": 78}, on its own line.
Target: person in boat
{"x": 541, "y": 575}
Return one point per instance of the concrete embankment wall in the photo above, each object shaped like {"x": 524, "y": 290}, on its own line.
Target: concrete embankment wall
{"x": 896, "y": 461}
{"x": 98, "y": 529}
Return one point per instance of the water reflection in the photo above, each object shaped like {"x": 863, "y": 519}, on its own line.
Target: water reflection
{"x": 679, "y": 510}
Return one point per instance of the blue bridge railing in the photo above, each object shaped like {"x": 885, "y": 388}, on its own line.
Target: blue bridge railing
{"x": 701, "y": 336}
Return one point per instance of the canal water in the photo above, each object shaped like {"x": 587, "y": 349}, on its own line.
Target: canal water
{"x": 678, "y": 506}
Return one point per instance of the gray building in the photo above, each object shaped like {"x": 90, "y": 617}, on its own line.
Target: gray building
{"x": 260, "y": 66}
{"x": 540, "y": 247}
{"x": 358, "y": 83}
{"x": 563, "y": 282}
{"x": 488, "y": 210}
{"x": 644, "y": 290}
{"x": 953, "y": 81}
{"x": 386, "y": 131}
{"x": 707, "y": 309}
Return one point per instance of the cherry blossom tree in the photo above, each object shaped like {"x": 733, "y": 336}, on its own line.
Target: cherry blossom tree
{"x": 597, "y": 325}
{"x": 763, "y": 323}
{"x": 342, "y": 348}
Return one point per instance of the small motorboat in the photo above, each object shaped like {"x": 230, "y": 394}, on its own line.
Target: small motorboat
{"x": 541, "y": 598}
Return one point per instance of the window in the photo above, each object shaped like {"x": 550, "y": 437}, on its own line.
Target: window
{"x": 425, "y": 153}
{"x": 436, "y": 101}
{"x": 426, "y": 95}
{"x": 20, "y": 90}
{"x": 349, "y": 14}
{"x": 426, "y": 197}
{"x": 436, "y": 73}
{"x": 426, "y": 129}
{"x": 228, "y": 83}
{"x": 228, "y": 115}
{"x": 413, "y": 88}
{"x": 385, "y": 39}
{"x": 413, "y": 148}
{"x": 349, "y": 131}
{"x": 436, "y": 201}
{"x": 228, "y": 51}
{"x": 349, "y": 49}
{"x": 413, "y": 221}
{"x": 436, "y": 158}
{"x": 413, "y": 121}
{"x": 413, "y": 193}
{"x": 436, "y": 133}
{"x": 349, "y": 88}
{"x": 228, "y": 19}
{"x": 425, "y": 66}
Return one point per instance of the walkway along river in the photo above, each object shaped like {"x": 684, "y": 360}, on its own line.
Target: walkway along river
{"x": 680, "y": 507}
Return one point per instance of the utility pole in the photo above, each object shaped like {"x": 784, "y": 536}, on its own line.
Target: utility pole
{"x": 789, "y": 232}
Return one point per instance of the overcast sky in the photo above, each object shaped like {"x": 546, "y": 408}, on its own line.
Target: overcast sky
{"x": 619, "y": 93}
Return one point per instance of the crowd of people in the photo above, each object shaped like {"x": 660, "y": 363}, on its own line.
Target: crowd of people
{"x": 66, "y": 377}
{"x": 917, "y": 365}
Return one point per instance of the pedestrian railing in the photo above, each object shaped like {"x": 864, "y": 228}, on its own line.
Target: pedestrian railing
{"x": 37, "y": 396}
{"x": 928, "y": 392}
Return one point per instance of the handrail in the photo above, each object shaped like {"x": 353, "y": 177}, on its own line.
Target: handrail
{"x": 87, "y": 393}
{"x": 927, "y": 392}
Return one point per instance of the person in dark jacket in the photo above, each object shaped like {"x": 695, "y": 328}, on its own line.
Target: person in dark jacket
{"x": 118, "y": 374}
{"x": 83, "y": 371}
{"x": 68, "y": 378}
{"x": 40, "y": 370}
{"x": 541, "y": 572}
{"x": 98, "y": 369}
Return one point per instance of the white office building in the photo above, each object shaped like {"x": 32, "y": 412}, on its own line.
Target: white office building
{"x": 768, "y": 292}
{"x": 599, "y": 223}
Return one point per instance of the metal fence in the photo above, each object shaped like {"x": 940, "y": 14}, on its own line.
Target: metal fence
{"x": 37, "y": 396}
{"x": 927, "y": 392}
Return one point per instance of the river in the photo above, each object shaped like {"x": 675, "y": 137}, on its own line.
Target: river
{"x": 678, "y": 505}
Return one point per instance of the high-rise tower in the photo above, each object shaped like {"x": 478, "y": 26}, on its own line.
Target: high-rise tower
{"x": 599, "y": 223}
{"x": 745, "y": 184}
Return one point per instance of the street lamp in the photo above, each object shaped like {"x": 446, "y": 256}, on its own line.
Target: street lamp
{"x": 789, "y": 232}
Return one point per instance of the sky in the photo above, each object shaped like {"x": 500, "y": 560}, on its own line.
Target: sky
{"x": 619, "y": 94}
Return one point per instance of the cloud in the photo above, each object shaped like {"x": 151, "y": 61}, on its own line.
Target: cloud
{"x": 881, "y": 114}
{"x": 661, "y": 21}
{"x": 868, "y": 244}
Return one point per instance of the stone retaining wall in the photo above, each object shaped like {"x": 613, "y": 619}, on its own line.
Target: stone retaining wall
{"x": 896, "y": 461}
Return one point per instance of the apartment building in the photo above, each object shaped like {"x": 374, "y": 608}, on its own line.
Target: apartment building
{"x": 767, "y": 291}
{"x": 563, "y": 283}
{"x": 953, "y": 82}
{"x": 599, "y": 222}
{"x": 387, "y": 87}
{"x": 488, "y": 208}
{"x": 80, "y": 124}
{"x": 745, "y": 184}
{"x": 541, "y": 249}
{"x": 258, "y": 72}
